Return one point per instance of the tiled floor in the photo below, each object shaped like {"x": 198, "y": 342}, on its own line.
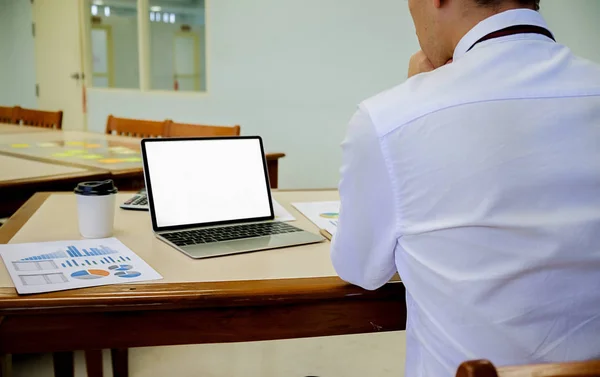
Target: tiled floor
{"x": 380, "y": 355}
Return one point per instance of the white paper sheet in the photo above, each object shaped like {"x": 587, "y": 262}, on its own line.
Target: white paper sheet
{"x": 281, "y": 214}
{"x": 56, "y": 266}
{"x": 322, "y": 214}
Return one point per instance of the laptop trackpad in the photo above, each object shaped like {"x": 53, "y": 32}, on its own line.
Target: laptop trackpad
{"x": 238, "y": 246}
{"x": 226, "y": 248}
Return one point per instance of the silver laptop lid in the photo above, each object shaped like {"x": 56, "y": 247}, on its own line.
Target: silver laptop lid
{"x": 194, "y": 182}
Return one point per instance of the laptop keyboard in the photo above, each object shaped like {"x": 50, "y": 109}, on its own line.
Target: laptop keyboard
{"x": 138, "y": 200}
{"x": 236, "y": 232}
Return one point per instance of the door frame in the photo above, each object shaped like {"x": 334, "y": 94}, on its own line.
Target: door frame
{"x": 110, "y": 74}
{"x": 198, "y": 72}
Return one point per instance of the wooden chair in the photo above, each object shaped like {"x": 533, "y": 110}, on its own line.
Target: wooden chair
{"x": 6, "y": 115}
{"x": 191, "y": 130}
{"x": 484, "y": 368}
{"x": 135, "y": 127}
{"x": 38, "y": 118}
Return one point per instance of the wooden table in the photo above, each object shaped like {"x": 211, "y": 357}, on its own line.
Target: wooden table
{"x": 119, "y": 155}
{"x": 109, "y": 156}
{"x": 21, "y": 178}
{"x": 273, "y": 294}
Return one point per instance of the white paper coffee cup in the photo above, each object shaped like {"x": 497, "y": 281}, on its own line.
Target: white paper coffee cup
{"x": 96, "y": 208}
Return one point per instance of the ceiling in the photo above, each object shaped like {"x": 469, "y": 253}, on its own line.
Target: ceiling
{"x": 167, "y": 5}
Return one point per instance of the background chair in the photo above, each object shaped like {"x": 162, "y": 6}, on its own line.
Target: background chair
{"x": 484, "y": 368}
{"x": 6, "y": 115}
{"x": 191, "y": 130}
{"x": 38, "y": 118}
{"x": 135, "y": 127}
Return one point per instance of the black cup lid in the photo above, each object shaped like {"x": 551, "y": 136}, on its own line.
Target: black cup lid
{"x": 96, "y": 188}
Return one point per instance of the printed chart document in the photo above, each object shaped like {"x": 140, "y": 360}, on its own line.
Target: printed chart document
{"x": 56, "y": 266}
{"x": 323, "y": 214}
{"x": 281, "y": 214}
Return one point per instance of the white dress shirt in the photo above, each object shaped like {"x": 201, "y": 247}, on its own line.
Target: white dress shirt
{"x": 479, "y": 183}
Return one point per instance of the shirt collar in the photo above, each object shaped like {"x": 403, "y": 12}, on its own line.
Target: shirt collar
{"x": 498, "y": 22}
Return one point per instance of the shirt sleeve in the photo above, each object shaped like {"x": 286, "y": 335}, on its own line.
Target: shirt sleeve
{"x": 363, "y": 247}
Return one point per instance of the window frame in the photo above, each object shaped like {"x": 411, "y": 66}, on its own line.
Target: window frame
{"x": 144, "y": 52}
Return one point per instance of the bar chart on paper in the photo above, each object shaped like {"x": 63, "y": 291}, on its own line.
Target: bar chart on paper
{"x": 73, "y": 252}
{"x": 53, "y": 266}
{"x": 323, "y": 214}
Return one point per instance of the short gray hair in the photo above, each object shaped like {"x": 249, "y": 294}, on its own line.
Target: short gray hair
{"x": 535, "y": 4}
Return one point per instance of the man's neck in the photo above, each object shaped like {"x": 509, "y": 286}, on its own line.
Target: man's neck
{"x": 473, "y": 16}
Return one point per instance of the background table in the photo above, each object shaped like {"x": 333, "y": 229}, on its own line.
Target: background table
{"x": 272, "y": 294}
{"x": 21, "y": 178}
{"x": 119, "y": 155}
{"x": 109, "y": 156}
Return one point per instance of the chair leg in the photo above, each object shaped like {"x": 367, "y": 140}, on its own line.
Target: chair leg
{"x": 93, "y": 363}
{"x": 64, "y": 364}
{"x": 5, "y": 365}
{"x": 120, "y": 362}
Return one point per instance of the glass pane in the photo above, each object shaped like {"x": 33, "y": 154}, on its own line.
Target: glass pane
{"x": 100, "y": 50}
{"x": 177, "y": 45}
{"x": 114, "y": 43}
{"x": 187, "y": 84}
{"x": 185, "y": 52}
{"x": 100, "y": 82}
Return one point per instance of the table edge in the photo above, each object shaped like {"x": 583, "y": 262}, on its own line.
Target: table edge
{"x": 163, "y": 296}
{"x": 274, "y": 156}
{"x": 23, "y": 214}
{"x": 85, "y": 174}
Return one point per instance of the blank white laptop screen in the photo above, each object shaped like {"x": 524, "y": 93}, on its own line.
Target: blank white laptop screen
{"x": 207, "y": 181}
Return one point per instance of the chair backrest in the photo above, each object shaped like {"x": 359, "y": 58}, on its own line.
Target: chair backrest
{"x": 199, "y": 130}
{"x": 135, "y": 127}
{"x": 484, "y": 368}
{"x": 38, "y": 118}
{"x": 7, "y": 115}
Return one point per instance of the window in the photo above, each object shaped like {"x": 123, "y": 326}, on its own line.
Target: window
{"x": 177, "y": 45}
{"x": 173, "y": 57}
{"x": 114, "y": 44}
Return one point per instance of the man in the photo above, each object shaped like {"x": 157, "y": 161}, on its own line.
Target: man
{"x": 478, "y": 180}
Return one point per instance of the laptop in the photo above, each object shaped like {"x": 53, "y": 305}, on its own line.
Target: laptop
{"x": 211, "y": 197}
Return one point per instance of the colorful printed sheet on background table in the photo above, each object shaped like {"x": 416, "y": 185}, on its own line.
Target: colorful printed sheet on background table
{"x": 99, "y": 153}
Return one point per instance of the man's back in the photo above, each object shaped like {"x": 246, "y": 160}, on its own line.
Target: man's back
{"x": 494, "y": 175}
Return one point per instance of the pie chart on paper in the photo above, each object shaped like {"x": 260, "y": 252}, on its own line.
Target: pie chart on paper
{"x": 128, "y": 274}
{"x": 89, "y": 274}
{"x": 330, "y": 215}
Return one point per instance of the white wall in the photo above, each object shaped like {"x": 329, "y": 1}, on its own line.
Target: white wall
{"x": 289, "y": 71}
{"x": 294, "y": 71}
{"x": 575, "y": 23}
{"x": 17, "y": 53}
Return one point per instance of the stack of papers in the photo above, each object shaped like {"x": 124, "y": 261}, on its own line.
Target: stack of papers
{"x": 323, "y": 214}
{"x": 57, "y": 266}
{"x": 281, "y": 214}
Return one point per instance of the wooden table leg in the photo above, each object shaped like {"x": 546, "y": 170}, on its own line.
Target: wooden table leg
{"x": 273, "y": 169}
{"x": 64, "y": 364}
{"x": 120, "y": 362}
{"x": 5, "y": 365}
{"x": 5, "y": 361}
{"x": 93, "y": 363}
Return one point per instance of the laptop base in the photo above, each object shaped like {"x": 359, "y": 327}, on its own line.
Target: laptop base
{"x": 217, "y": 249}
